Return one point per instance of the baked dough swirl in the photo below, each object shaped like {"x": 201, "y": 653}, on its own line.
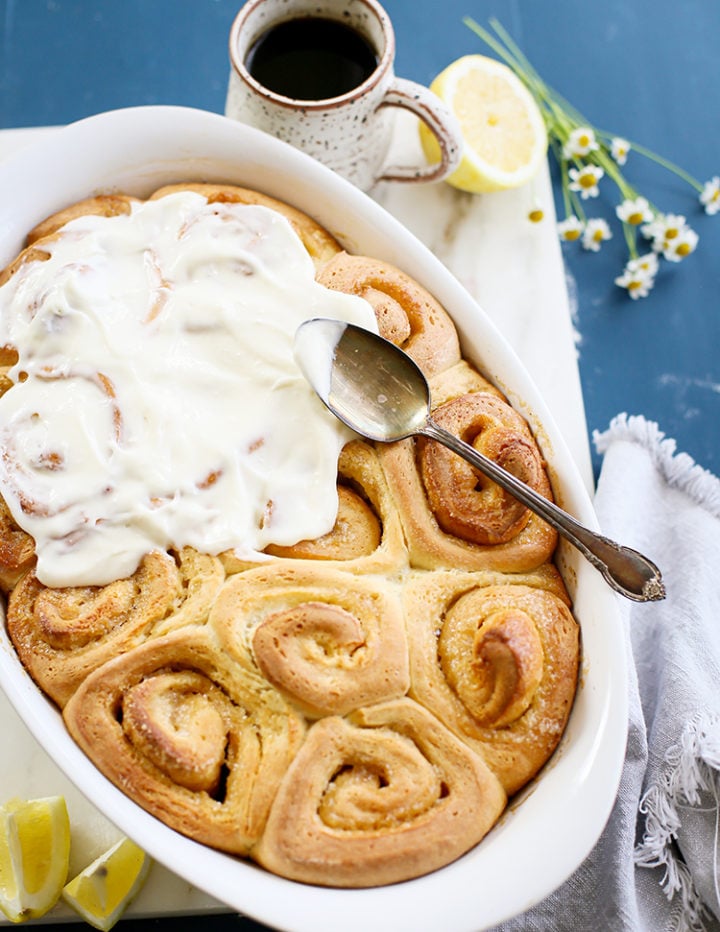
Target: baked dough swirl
{"x": 378, "y": 797}
{"x": 330, "y": 641}
{"x": 202, "y": 742}
{"x": 452, "y": 515}
{"x": 367, "y": 536}
{"x": 62, "y": 635}
{"x": 406, "y": 313}
{"x": 496, "y": 659}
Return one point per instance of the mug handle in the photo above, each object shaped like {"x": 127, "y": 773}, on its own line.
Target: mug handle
{"x": 439, "y": 120}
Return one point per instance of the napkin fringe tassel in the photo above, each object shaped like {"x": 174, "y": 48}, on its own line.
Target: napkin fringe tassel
{"x": 679, "y": 469}
{"x": 693, "y": 767}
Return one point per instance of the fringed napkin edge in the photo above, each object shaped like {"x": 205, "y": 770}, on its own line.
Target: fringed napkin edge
{"x": 693, "y": 764}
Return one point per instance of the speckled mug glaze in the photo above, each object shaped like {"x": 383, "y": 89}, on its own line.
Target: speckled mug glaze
{"x": 350, "y": 133}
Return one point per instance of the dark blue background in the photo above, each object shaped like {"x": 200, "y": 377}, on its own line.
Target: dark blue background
{"x": 645, "y": 69}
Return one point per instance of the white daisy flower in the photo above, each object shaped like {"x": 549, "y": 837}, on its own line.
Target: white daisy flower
{"x": 595, "y": 233}
{"x": 680, "y": 247}
{"x": 647, "y": 264}
{"x": 581, "y": 141}
{"x": 585, "y": 180}
{"x": 710, "y": 196}
{"x": 634, "y": 211}
{"x": 637, "y": 280}
{"x": 665, "y": 230}
{"x": 655, "y": 228}
{"x": 571, "y": 228}
{"x": 619, "y": 149}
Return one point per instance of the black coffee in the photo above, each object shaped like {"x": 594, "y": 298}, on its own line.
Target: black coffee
{"x": 311, "y": 58}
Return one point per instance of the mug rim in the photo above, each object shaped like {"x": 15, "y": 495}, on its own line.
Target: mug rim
{"x": 298, "y": 103}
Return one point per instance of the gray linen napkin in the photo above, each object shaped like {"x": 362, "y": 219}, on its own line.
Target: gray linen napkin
{"x": 655, "y": 868}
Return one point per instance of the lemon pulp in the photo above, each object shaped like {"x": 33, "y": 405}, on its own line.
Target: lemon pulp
{"x": 504, "y": 135}
{"x": 102, "y": 892}
{"x": 34, "y": 856}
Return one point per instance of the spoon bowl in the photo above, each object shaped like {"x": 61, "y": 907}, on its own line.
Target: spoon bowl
{"x": 378, "y": 391}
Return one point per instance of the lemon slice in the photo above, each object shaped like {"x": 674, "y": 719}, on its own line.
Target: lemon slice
{"x": 34, "y": 856}
{"x": 102, "y": 892}
{"x": 503, "y": 130}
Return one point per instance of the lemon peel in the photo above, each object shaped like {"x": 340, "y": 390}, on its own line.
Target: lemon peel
{"x": 34, "y": 856}
{"x": 504, "y": 134}
{"x": 104, "y": 889}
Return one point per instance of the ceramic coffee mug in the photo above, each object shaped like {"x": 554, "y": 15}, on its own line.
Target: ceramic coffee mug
{"x": 333, "y": 102}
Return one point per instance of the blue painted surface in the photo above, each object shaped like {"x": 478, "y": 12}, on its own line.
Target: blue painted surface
{"x": 648, "y": 70}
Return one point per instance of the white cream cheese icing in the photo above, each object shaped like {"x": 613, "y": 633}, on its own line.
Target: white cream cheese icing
{"x": 157, "y": 402}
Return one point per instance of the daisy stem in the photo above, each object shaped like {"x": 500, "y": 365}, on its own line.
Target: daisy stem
{"x": 559, "y": 115}
{"x": 659, "y": 159}
{"x": 630, "y": 239}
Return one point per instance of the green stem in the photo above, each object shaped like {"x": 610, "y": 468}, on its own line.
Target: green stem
{"x": 654, "y": 157}
{"x": 630, "y": 239}
{"x": 559, "y": 115}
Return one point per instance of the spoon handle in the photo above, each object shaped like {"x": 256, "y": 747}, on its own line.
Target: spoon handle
{"x": 627, "y": 571}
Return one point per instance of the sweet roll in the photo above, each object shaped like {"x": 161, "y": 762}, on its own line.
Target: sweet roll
{"x": 453, "y": 516}
{"x": 407, "y": 314}
{"x": 320, "y": 244}
{"x": 200, "y": 742}
{"x": 495, "y": 658}
{"x": 100, "y": 205}
{"x": 367, "y": 536}
{"x": 381, "y": 796}
{"x": 330, "y": 641}
{"x": 62, "y": 635}
{"x": 17, "y": 550}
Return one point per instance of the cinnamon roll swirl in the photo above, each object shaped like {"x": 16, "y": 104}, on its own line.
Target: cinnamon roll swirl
{"x": 62, "y": 635}
{"x": 406, "y": 313}
{"x": 453, "y": 516}
{"x": 367, "y": 536}
{"x": 330, "y": 641}
{"x": 496, "y": 659}
{"x": 202, "y": 742}
{"x": 383, "y": 795}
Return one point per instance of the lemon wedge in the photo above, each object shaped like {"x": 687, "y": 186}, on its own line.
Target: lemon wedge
{"x": 34, "y": 856}
{"x": 102, "y": 892}
{"x": 505, "y": 140}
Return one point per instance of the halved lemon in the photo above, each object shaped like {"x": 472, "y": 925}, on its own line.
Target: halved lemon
{"x": 102, "y": 892}
{"x": 34, "y": 856}
{"x": 505, "y": 140}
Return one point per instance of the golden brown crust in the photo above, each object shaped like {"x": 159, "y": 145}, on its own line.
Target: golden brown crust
{"x": 496, "y": 659}
{"x": 453, "y": 517}
{"x": 17, "y": 550}
{"x": 316, "y": 239}
{"x": 34, "y": 253}
{"x": 330, "y": 641}
{"x": 382, "y": 796}
{"x": 406, "y": 313}
{"x": 62, "y": 635}
{"x": 199, "y": 742}
{"x": 102, "y": 205}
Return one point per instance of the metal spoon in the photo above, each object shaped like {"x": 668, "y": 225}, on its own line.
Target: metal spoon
{"x": 377, "y": 390}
